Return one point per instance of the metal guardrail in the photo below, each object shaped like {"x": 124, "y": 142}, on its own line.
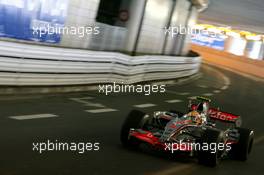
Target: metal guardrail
{"x": 34, "y": 65}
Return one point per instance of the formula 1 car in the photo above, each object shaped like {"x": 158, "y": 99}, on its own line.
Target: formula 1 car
{"x": 203, "y": 132}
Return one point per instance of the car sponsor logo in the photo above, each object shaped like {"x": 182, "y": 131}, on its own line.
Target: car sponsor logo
{"x": 222, "y": 115}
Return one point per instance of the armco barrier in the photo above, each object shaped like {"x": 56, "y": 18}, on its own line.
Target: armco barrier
{"x": 34, "y": 65}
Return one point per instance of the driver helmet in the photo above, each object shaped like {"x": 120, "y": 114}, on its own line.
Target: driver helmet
{"x": 196, "y": 117}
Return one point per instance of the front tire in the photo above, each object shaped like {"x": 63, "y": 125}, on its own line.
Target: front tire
{"x": 210, "y": 157}
{"x": 242, "y": 149}
{"x": 135, "y": 119}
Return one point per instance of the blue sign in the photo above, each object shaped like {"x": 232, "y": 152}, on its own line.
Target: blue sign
{"x": 216, "y": 41}
{"x": 32, "y": 19}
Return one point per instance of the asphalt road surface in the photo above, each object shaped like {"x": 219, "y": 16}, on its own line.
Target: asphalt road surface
{"x": 95, "y": 117}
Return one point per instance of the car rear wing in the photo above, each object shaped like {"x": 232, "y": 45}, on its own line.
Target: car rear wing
{"x": 223, "y": 116}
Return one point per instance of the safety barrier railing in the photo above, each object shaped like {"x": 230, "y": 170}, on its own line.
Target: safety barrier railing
{"x": 36, "y": 65}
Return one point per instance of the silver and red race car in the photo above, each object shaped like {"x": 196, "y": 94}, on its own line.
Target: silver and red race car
{"x": 203, "y": 132}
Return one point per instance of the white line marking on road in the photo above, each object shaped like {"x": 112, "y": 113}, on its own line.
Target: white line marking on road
{"x": 35, "y": 116}
{"x": 202, "y": 86}
{"x": 192, "y": 98}
{"x": 227, "y": 81}
{"x": 178, "y": 93}
{"x": 184, "y": 93}
{"x": 208, "y": 94}
{"x": 174, "y": 101}
{"x": 191, "y": 78}
{"x": 186, "y": 168}
{"x": 224, "y": 87}
{"x": 217, "y": 91}
{"x": 147, "y": 105}
{"x": 86, "y": 102}
{"x": 101, "y": 110}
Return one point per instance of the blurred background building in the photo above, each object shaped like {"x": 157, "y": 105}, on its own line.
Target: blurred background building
{"x": 237, "y": 42}
{"x": 125, "y": 25}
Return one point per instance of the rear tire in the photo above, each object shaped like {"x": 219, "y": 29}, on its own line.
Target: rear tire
{"x": 135, "y": 119}
{"x": 208, "y": 157}
{"x": 242, "y": 149}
